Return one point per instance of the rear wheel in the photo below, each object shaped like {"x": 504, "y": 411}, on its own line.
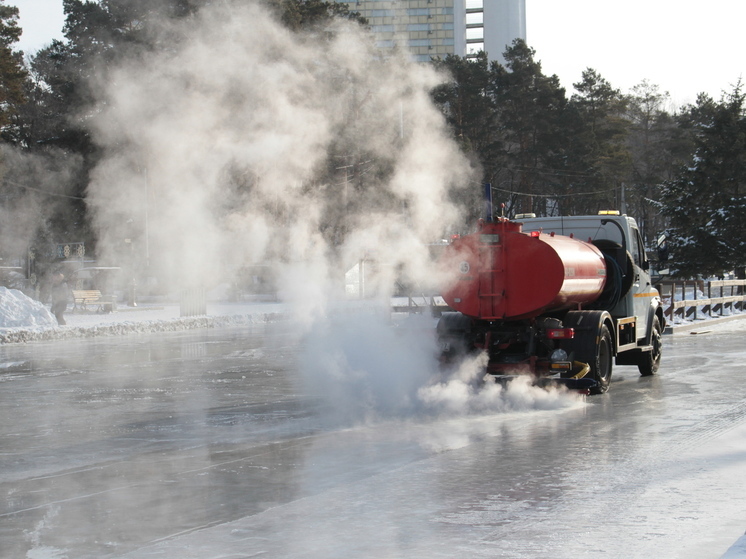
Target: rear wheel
{"x": 592, "y": 344}
{"x": 651, "y": 360}
{"x": 601, "y": 365}
{"x": 454, "y": 330}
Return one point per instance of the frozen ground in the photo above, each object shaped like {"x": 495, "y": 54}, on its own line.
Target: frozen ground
{"x": 211, "y": 444}
{"x": 317, "y": 480}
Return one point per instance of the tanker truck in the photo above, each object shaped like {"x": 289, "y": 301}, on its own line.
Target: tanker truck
{"x": 559, "y": 298}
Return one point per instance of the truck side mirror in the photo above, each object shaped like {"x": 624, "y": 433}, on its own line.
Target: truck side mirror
{"x": 662, "y": 248}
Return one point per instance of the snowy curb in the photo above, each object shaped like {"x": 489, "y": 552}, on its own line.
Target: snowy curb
{"x": 689, "y": 326}
{"x": 737, "y": 550}
{"x": 21, "y": 335}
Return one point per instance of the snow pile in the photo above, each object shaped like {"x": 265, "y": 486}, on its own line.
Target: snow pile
{"x": 20, "y": 311}
{"x": 114, "y": 325}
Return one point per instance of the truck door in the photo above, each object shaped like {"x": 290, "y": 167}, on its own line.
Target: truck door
{"x": 642, "y": 287}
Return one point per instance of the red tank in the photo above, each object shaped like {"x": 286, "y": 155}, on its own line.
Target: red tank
{"x": 501, "y": 273}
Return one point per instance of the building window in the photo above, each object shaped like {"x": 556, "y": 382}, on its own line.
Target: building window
{"x": 382, "y": 13}
{"x": 418, "y": 27}
{"x": 476, "y": 18}
{"x": 474, "y": 48}
{"x": 475, "y": 33}
{"x": 382, "y": 28}
{"x": 474, "y": 4}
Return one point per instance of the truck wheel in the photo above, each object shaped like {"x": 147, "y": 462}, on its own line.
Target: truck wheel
{"x": 601, "y": 365}
{"x": 651, "y": 360}
{"x": 454, "y": 336}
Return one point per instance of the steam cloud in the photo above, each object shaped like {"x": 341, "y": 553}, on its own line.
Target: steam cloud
{"x": 220, "y": 141}
{"x": 365, "y": 370}
{"x": 19, "y": 214}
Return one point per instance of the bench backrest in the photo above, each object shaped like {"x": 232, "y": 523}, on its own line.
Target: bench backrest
{"x": 79, "y": 294}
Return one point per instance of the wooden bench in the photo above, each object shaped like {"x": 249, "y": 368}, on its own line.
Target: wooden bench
{"x": 84, "y": 297}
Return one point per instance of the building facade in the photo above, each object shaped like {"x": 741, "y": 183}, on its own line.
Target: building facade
{"x": 437, "y": 28}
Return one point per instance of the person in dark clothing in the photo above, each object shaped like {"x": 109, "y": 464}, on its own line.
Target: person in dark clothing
{"x": 59, "y": 297}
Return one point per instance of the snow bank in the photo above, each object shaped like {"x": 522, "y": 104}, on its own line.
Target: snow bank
{"x": 32, "y": 334}
{"x": 20, "y": 311}
{"x": 23, "y": 319}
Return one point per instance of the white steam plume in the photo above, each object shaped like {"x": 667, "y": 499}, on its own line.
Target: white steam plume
{"x": 35, "y": 187}
{"x": 221, "y": 138}
{"x": 468, "y": 390}
{"x": 364, "y": 369}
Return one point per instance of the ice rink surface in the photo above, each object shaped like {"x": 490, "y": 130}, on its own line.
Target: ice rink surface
{"x": 260, "y": 441}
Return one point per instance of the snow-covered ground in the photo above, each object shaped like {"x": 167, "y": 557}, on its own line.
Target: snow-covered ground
{"x": 23, "y": 319}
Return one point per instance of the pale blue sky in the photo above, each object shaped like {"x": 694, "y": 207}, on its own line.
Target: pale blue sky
{"x": 41, "y": 20}
{"x": 684, "y": 46}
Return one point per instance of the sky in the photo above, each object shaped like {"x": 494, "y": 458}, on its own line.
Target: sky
{"x": 683, "y": 46}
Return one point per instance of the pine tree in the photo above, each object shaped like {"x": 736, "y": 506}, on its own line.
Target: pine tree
{"x": 465, "y": 101}
{"x": 530, "y": 107}
{"x": 12, "y": 73}
{"x": 470, "y": 111}
{"x": 305, "y": 14}
{"x": 706, "y": 204}
{"x": 657, "y": 148}
{"x": 594, "y": 159}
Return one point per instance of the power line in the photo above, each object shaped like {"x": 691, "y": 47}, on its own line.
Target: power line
{"x": 553, "y": 172}
{"x": 553, "y": 195}
{"x": 15, "y": 184}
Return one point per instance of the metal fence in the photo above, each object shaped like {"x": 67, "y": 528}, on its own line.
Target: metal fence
{"x": 701, "y": 298}
{"x": 193, "y": 302}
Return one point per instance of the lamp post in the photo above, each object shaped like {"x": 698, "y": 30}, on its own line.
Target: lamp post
{"x": 132, "y": 284}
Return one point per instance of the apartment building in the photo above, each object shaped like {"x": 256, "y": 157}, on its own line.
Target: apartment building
{"x": 436, "y": 28}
